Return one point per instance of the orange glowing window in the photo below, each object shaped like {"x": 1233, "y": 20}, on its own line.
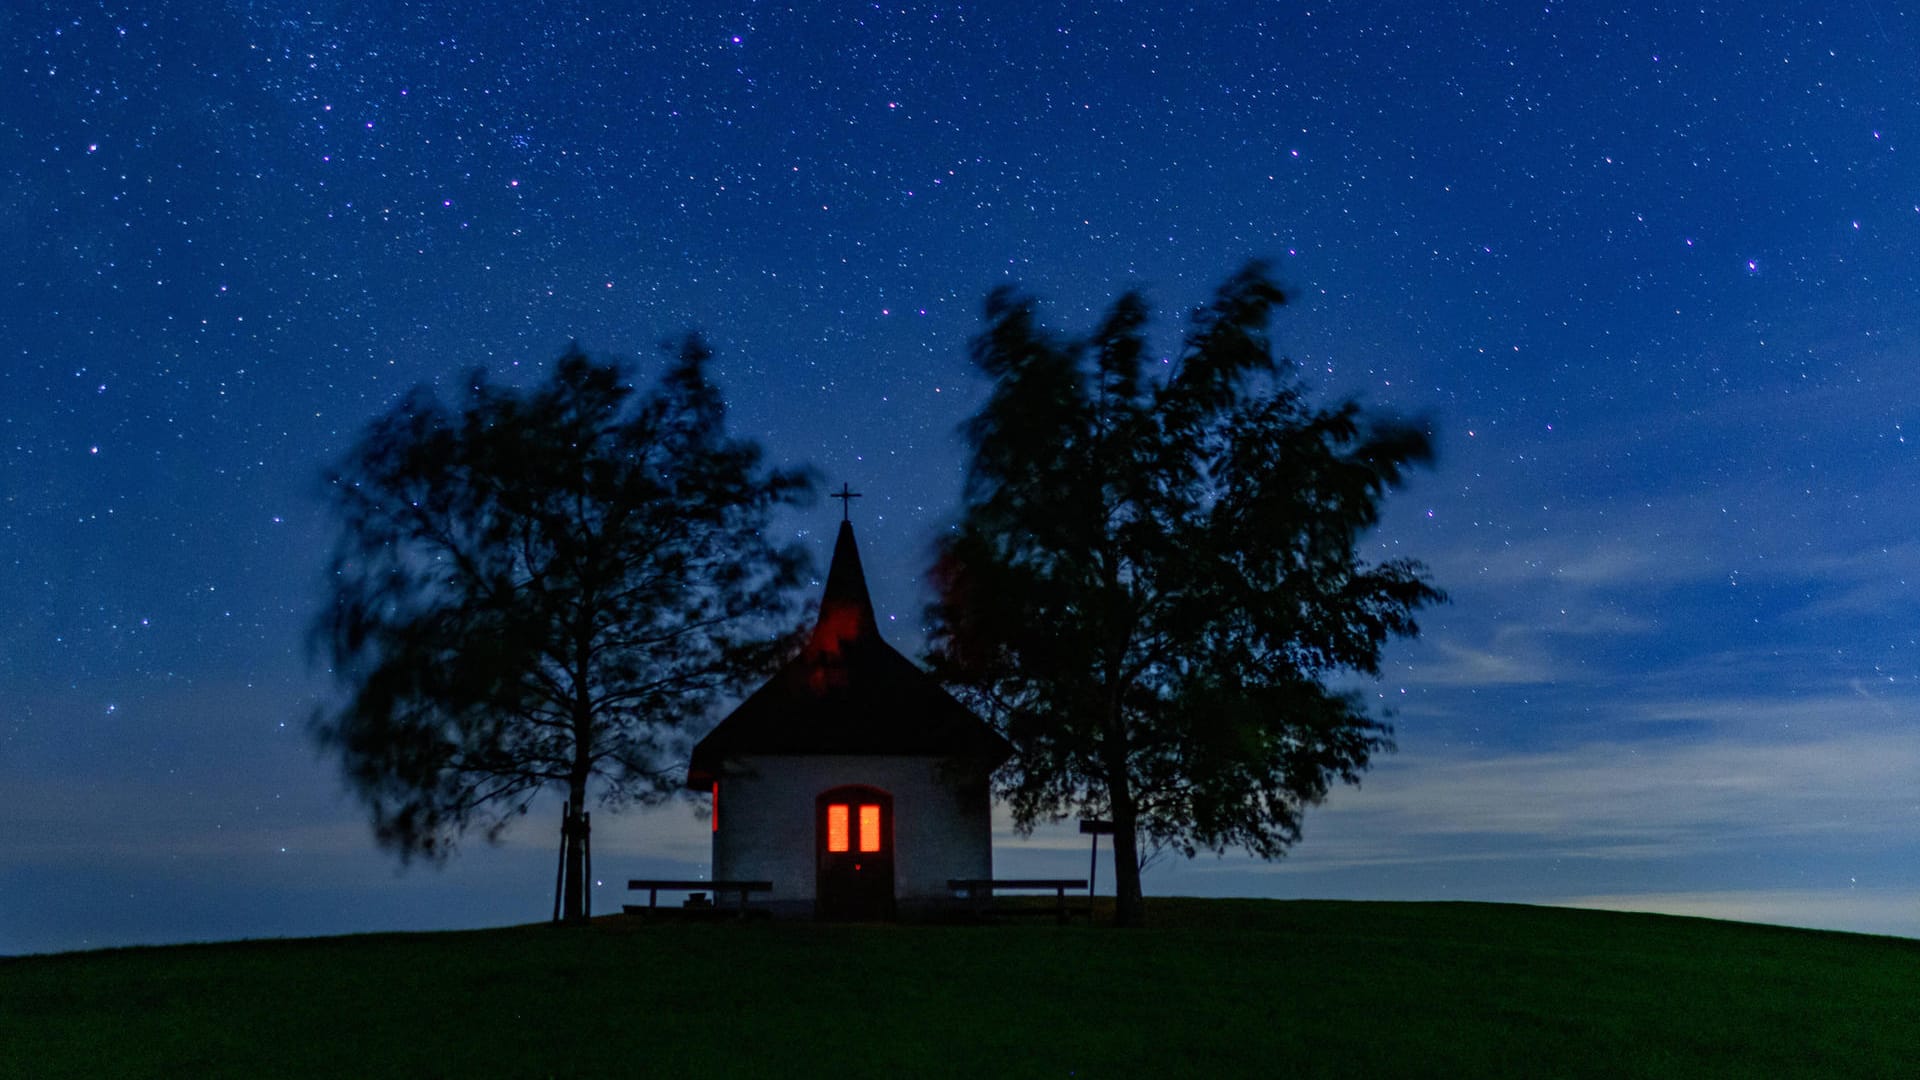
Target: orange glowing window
{"x": 716, "y": 806}
{"x": 869, "y": 828}
{"x": 836, "y": 826}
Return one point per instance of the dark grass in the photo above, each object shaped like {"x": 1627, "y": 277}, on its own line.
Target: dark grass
{"x": 1213, "y": 988}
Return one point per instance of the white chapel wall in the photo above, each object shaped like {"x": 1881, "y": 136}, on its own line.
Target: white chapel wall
{"x": 767, "y": 822}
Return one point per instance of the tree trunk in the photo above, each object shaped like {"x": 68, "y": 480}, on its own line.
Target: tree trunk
{"x": 573, "y": 832}
{"x": 574, "y": 907}
{"x": 1129, "y": 904}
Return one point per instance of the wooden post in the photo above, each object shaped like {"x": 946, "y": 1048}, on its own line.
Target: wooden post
{"x": 586, "y": 841}
{"x": 1095, "y": 829}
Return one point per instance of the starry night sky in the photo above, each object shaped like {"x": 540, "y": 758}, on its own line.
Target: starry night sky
{"x": 1651, "y": 273}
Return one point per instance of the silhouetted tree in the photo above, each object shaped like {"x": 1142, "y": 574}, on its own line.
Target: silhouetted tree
{"x": 1154, "y": 578}
{"x": 538, "y": 590}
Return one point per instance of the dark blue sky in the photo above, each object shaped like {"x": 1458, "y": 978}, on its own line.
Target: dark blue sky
{"x": 1651, "y": 272}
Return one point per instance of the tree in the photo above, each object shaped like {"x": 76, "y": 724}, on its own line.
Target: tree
{"x": 1154, "y": 578}
{"x": 538, "y": 590}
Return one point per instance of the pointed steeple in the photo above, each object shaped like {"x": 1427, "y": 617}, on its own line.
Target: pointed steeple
{"x": 846, "y": 609}
{"x": 847, "y": 692}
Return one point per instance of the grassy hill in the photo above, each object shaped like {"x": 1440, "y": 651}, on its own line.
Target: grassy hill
{"x": 1213, "y": 988}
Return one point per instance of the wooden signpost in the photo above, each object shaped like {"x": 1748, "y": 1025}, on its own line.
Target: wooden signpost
{"x": 1096, "y": 829}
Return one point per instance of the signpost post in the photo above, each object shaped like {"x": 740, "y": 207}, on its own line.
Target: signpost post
{"x": 1096, "y": 829}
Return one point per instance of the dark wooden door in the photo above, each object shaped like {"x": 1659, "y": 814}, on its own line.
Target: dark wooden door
{"x": 853, "y": 830}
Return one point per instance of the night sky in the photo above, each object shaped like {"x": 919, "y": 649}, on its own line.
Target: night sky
{"x": 1651, "y": 273}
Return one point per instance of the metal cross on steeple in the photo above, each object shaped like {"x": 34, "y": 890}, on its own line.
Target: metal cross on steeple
{"x": 846, "y": 495}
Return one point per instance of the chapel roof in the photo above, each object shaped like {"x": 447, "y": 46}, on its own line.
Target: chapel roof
{"x": 847, "y": 692}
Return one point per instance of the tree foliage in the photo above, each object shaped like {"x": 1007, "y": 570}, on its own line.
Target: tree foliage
{"x": 1155, "y": 586}
{"x": 539, "y": 589}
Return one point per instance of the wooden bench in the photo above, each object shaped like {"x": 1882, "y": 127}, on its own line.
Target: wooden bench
{"x": 981, "y": 890}
{"x": 654, "y": 885}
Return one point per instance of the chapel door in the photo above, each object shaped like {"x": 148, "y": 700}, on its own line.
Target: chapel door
{"x": 853, "y": 829}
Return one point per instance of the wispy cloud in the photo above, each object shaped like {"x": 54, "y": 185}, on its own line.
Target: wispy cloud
{"x": 1642, "y": 798}
{"x": 1458, "y": 665}
{"x": 1872, "y": 710}
{"x": 1861, "y": 909}
{"x": 1587, "y": 824}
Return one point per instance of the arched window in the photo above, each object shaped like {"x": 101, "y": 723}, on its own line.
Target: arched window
{"x": 840, "y": 834}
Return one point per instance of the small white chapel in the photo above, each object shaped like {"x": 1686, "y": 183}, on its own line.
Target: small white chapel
{"x": 851, "y": 781}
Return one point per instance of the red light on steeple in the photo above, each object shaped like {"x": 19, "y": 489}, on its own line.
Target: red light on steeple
{"x": 846, "y": 609}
